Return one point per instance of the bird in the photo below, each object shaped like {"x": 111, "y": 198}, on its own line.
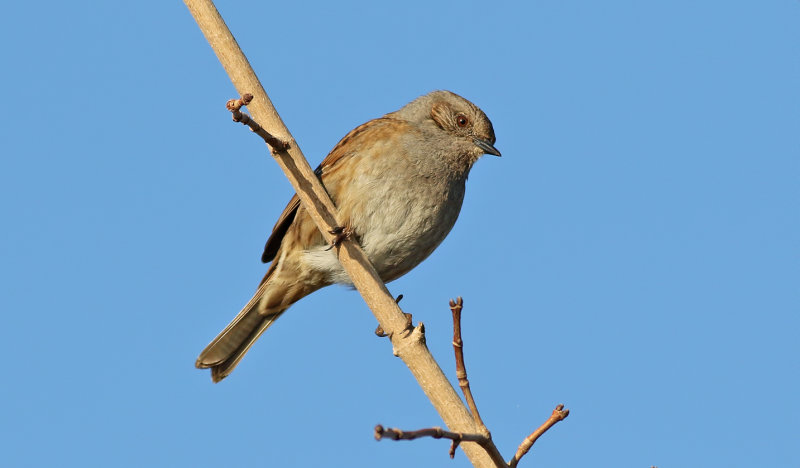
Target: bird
{"x": 398, "y": 184}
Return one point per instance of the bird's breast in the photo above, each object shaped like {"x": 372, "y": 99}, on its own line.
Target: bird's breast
{"x": 403, "y": 223}
{"x": 398, "y": 221}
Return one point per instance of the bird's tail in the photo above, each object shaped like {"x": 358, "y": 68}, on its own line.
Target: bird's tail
{"x": 229, "y": 347}
{"x": 281, "y": 287}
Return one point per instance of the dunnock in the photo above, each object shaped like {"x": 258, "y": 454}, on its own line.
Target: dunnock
{"x": 397, "y": 182}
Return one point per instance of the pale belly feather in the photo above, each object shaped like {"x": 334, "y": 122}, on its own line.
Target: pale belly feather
{"x": 398, "y": 228}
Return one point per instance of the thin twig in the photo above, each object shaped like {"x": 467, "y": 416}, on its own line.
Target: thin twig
{"x": 558, "y": 415}
{"x": 235, "y": 106}
{"x": 435, "y": 432}
{"x": 461, "y": 370}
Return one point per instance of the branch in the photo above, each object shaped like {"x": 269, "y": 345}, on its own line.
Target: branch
{"x": 235, "y": 106}
{"x": 318, "y": 204}
{"x": 484, "y": 438}
{"x": 435, "y": 432}
{"x": 559, "y": 414}
{"x": 461, "y": 370}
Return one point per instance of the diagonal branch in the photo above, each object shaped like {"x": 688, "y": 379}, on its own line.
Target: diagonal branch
{"x": 410, "y": 348}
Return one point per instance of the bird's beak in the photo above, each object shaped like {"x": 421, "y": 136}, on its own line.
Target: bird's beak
{"x": 486, "y": 147}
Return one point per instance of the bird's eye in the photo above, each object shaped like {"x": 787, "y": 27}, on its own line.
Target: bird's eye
{"x": 462, "y": 120}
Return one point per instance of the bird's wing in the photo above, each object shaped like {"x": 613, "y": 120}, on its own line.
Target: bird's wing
{"x": 347, "y": 146}
{"x": 281, "y": 226}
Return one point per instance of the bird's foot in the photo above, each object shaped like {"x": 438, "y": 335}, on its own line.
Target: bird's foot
{"x": 409, "y": 323}
{"x": 342, "y": 233}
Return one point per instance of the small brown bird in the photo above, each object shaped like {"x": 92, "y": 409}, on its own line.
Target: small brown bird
{"x": 397, "y": 182}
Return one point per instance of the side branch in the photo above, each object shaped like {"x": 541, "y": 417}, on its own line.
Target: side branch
{"x": 435, "y": 432}
{"x": 235, "y": 106}
{"x": 461, "y": 369}
{"x": 461, "y": 372}
{"x": 559, "y": 414}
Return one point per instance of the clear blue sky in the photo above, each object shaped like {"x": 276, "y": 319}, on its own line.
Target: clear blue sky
{"x": 633, "y": 254}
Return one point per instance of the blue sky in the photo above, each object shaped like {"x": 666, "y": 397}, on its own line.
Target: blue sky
{"x": 633, "y": 254}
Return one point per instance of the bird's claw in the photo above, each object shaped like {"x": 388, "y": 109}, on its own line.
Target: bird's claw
{"x": 342, "y": 233}
{"x": 409, "y": 324}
